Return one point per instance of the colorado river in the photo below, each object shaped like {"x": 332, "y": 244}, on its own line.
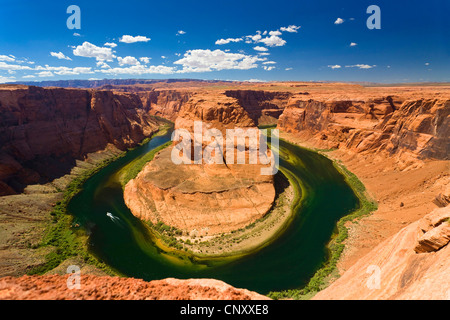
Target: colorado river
{"x": 125, "y": 243}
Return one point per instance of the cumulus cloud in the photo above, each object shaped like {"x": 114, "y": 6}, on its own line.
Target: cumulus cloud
{"x": 60, "y": 55}
{"x": 336, "y": 66}
{"x": 139, "y": 70}
{"x": 75, "y": 34}
{"x": 103, "y": 65}
{"x": 253, "y": 39}
{"x": 268, "y": 68}
{"x": 145, "y": 60}
{"x": 259, "y": 48}
{"x": 273, "y": 40}
{"x": 288, "y": 69}
{"x": 45, "y": 74}
{"x": 353, "y": 44}
{"x": 339, "y": 21}
{"x": 269, "y": 62}
{"x": 361, "y": 66}
{"x": 226, "y": 41}
{"x": 30, "y": 76}
{"x": 132, "y": 39}
{"x": 128, "y": 60}
{"x": 9, "y": 58}
{"x": 291, "y": 28}
{"x": 62, "y": 70}
{"x": 110, "y": 44}
{"x": 90, "y": 50}
{"x": 206, "y": 60}
{"x": 6, "y": 79}
{"x": 13, "y": 67}
{"x": 181, "y": 32}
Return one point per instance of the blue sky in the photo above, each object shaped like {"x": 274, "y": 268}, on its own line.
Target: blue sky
{"x": 229, "y": 40}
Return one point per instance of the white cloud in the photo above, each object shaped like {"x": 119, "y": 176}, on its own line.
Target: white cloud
{"x": 427, "y": 63}
{"x": 30, "y": 76}
{"x": 60, "y": 55}
{"x": 103, "y": 65}
{"x": 45, "y": 74}
{"x": 139, "y": 70}
{"x": 353, "y": 44}
{"x": 274, "y": 40}
{"x": 128, "y": 60}
{"x": 6, "y": 66}
{"x": 75, "y": 34}
{"x": 361, "y": 66}
{"x": 268, "y": 68}
{"x": 74, "y": 71}
{"x": 264, "y": 54}
{"x": 269, "y": 62}
{"x": 181, "y": 32}
{"x": 7, "y": 58}
{"x": 339, "y": 21}
{"x": 163, "y": 57}
{"x": 336, "y": 66}
{"x": 259, "y": 48}
{"x": 90, "y": 50}
{"x": 47, "y": 70}
{"x": 226, "y": 41}
{"x": 110, "y": 44}
{"x": 145, "y": 60}
{"x": 288, "y": 69}
{"x": 291, "y": 28}
{"x": 254, "y": 38}
{"x": 206, "y": 60}
{"x": 131, "y": 39}
{"x": 6, "y": 79}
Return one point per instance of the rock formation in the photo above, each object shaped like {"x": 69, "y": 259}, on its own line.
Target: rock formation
{"x": 411, "y": 129}
{"x": 43, "y": 130}
{"x": 412, "y": 264}
{"x": 202, "y": 199}
{"x": 54, "y": 287}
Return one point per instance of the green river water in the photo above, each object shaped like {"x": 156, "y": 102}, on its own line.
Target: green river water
{"x": 126, "y": 244}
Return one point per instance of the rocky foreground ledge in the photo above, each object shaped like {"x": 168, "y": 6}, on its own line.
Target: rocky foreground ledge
{"x": 54, "y": 287}
{"x": 412, "y": 264}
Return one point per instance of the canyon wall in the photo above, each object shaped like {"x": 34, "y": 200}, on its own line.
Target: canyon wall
{"x": 412, "y": 264}
{"x": 43, "y": 131}
{"x": 412, "y": 129}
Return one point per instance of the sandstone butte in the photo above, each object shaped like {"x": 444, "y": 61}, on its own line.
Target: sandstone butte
{"x": 203, "y": 199}
{"x": 394, "y": 138}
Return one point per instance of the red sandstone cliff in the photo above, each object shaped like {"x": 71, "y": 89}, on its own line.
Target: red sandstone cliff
{"x": 411, "y": 128}
{"x": 43, "y": 130}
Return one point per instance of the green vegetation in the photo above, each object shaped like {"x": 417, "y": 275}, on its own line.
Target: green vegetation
{"x": 63, "y": 236}
{"x": 328, "y": 271}
{"x": 132, "y": 169}
{"x": 66, "y": 240}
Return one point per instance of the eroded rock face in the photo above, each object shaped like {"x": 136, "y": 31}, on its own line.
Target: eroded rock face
{"x": 199, "y": 199}
{"x": 166, "y": 103}
{"x": 202, "y": 199}
{"x": 54, "y": 287}
{"x": 403, "y": 272}
{"x": 43, "y": 130}
{"x": 434, "y": 231}
{"x": 416, "y": 128}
